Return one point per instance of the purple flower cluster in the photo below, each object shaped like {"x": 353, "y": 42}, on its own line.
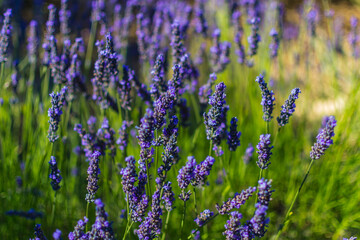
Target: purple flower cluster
{"x": 219, "y": 53}
{"x": 33, "y": 41}
{"x": 264, "y": 151}
{"x": 236, "y": 202}
{"x": 267, "y": 98}
{"x": 31, "y": 214}
{"x": 54, "y": 113}
{"x": 312, "y": 19}
{"x": 170, "y": 156}
{"x": 186, "y": 173}
{"x": 129, "y": 175}
{"x": 106, "y": 136}
{"x": 201, "y": 171}
{"x": 233, "y": 139}
{"x": 248, "y": 153}
{"x": 93, "y": 176}
{"x": 274, "y": 45}
{"x": 259, "y": 222}
{"x": 233, "y": 226}
{"x": 50, "y": 31}
{"x": 54, "y": 174}
{"x": 158, "y": 84}
{"x": 203, "y": 217}
{"x": 178, "y": 49}
{"x": 150, "y": 228}
{"x": 354, "y": 37}
{"x": 124, "y": 87}
{"x": 57, "y": 234}
{"x": 323, "y": 139}
{"x": 79, "y": 230}
{"x": 39, "y": 234}
{"x": 123, "y": 139}
{"x": 205, "y": 91}
{"x": 168, "y": 196}
{"x": 288, "y": 108}
{"x": 265, "y": 192}
{"x": 102, "y": 228}
{"x": 64, "y": 16}
{"x": 5, "y": 35}
{"x": 254, "y": 38}
{"x": 201, "y": 25}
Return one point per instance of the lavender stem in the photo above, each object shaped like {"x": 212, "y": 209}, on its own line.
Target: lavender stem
{"x": 287, "y": 217}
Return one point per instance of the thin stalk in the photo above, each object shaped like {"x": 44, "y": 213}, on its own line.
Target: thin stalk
{"x": 156, "y": 150}
{"x": 195, "y": 204}
{"x": 53, "y": 209}
{"x": 87, "y": 214}
{"x": 148, "y": 178}
{"x": 2, "y": 69}
{"x": 182, "y": 220}
{"x": 288, "y": 214}
{"x": 166, "y": 225}
{"x": 127, "y": 230}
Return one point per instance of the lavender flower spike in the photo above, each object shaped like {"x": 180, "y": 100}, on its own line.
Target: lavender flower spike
{"x": 259, "y": 222}
{"x": 102, "y": 227}
{"x": 324, "y": 139}
{"x": 274, "y": 45}
{"x": 33, "y": 41}
{"x": 236, "y": 202}
{"x": 203, "y": 217}
{"x": 186, "y": 174}
{"x": 79, "y": 230}
{"x": 54, "y": 174}
{"x": 5, "y": 36}
{"x": 248, "y": 154}
{"x": 232, "y": 226}
{"x": 202, "y": 170}
{"x": 254, "y": 38}
{"x": 268, "y": 98}
{"x": 57, "y": 234}
{"x": 93, "y": 177}
{"x": 39, "y": 234}
{"x": 264, "y": 151}
{"x": 233, "y": 139}
{"x": 57, "y": 102}
{"x": 288, "y": 108}
{"x": 264, "y": 194}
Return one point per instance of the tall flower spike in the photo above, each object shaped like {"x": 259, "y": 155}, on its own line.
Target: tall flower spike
{"x": 93, "y": 177}
{"x": 219, "y": 53}
{"x": 158, "y": 84}
{"x": 265, "y": 192}
{"x": 233, "y": 139}
{"x": 236, "y": 202}
{"x": 312, "y": 19}
{"x": 79, "y": 230}
{"x": 268, "y": 98}
{"x": 5, "y": 35}
{"x": 232, "y": 226}
{"x": 354, "y": 37}
{"x": 248, "y": 154}
{"x": 259, "y": 222}
{"x": 50, "y": 31}
{"x": 288, "y": 108}
{"x": 323, "y": 139}
{"x": 123, "y": 139}
{"x": 264, "y": 151}
{"x": 185, "y": 176}
{"x": 274, "y": 45}
{"x": 178, "y": 48}
{"x": 33, "y": 41}
{"x": 168, "y": 196}
{"x": 54, "y": 174}
{"x": 124, "y": 88}
{"x": 203, "y": 217}
{"x": 64, "y": 16}
{"x": 254, "y": 38}
{"x": 54, "y": 112}
{"x": 129, "y": 175}
{"x": 202, "y": 170}
{"x": 205, "y": 91}
{"x": 39, "y": 234}
{"x": 102, "y": 228}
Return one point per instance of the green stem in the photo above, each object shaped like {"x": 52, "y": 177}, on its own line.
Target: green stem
{"x": 87, "y": 214}
{"x": 210, "y": 149}
{"x": 166, "y": 226}
{"x": 288, "y": 214}
{"x": 148, "y": 178}
{"x": 195, "y": 203}
{"x": 127, "y": 230}
{"x": 182, "y": 221}
{"x": 53, "y": 209}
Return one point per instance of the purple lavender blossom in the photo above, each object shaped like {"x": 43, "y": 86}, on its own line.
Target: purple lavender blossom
{"x": 201, "y": 23}
{"x": 259, "y": 222}
{"x": 265, "y": 192}
{"x": 354, "y": 36}
{"x": 254, "y": 38}
{"x": 33, "y": 41}
{"x": 138, "y": 206}
{"x": 162, "y": 104}
{"x": 323, "y": 139}
{"x": 170, "y": 156}
{"x": 351, "y": 238}
{"x": 124, "y": 87}
{"x": 102, "y": 228}
{"x": 264, "y": 151}
{"x": 205, "y": 91}
{"x": 274, "y": 45}
{"x": 142, "y": 33}
{"x": 201, "y": 171}
{"x": 93, "y": 177}
{"x": 106, "y": 137}
{"x": 233, "y": 139}
{"x": 267, "y": 98}
{"x": 178, "y": 48}
{"x": 150, "y": 228}
{"x": 98, "y": 10}
{"x": 79, "y": 231}
{"x": 236, "y": 202}
{"x": 338, "y": 27}
{"x": 288, "y": 108}
{"x": 168, "y": 196}
{"x": 219, "y": 53}
{"x": 57, "y": 234}
{"x": 158, "y": 83}
{"x": 31, "y": 214}
{"x": 312, "y": 19}
{"x": 123, "y": 139}
{"x": 55, "y": 111}
{"x": 185, "y": 176}
{"x": 39, "y": 234}
{"x": 5, "y": 35}
{"x": 233, "y": 226}
{"x": 248, "y": 153}
{"x": 50, "y": 31}
{"x": 54, "y": 174}
{"x": 64, "y": 16}
{"x": 200, "y": 55}
{"x": 203, "y": 217}
{"x": 170, "y": 129}
{"x": 129, "y": 176}
{"x": 146, "y": 129}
